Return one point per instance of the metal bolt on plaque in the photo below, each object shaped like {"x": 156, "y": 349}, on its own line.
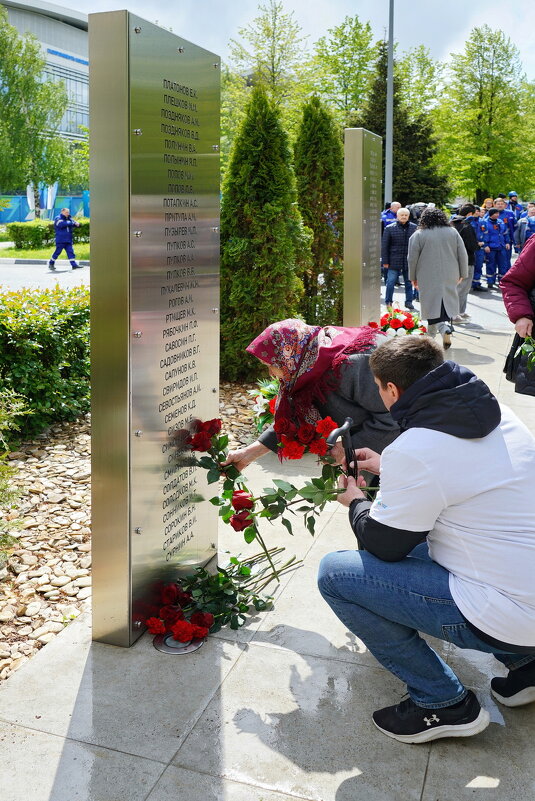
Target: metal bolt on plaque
{"x": 180, "y": 49}
{"x": 138, "y": 334}
{"x": 138, "y": 233}
{"x": 215, "y": 229}
{"x": 138, "y": 433}
{"x": 137, "y": 131}
{"x": 137, "y": 29}
{"x": 215, "y": 147}
{"x": 138, "y": 530}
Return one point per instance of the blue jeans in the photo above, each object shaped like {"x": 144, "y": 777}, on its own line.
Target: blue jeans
{"x": 387, "y": 604}
{"x": 391, "y": 277}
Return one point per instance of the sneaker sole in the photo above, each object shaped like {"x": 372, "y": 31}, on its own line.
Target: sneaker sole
{"x": 460, "y": 730}
{"x": 525, "y": 696}
{"x": 446, "y": 341}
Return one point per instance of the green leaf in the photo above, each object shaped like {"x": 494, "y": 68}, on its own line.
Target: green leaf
{"x": 311, "y": 522}
{"x": 287, "y": 525}
{"x": 231, "y": 472}
{"x": 283, "y": 485}
{"x": 212, "y": 476}
{"x": 217, "y": 501}
{"x": 249, "y": 534}
{"x": 222, "y": 442}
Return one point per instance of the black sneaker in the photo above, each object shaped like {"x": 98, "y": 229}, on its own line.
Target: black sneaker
{"x": 51, "y": 265}
{"x": 409, "y": 723}
{"x": 478, "y": 288}
{"x": 517, "y": 688}
{"x": 410, "y": 306}
{"x": 77, "y": 266}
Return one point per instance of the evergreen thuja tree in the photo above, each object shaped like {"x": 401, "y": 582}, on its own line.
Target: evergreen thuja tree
{"x": 415, "y": 176}
{"x": 264, "y": 245}
{"x": 319, "y": 171}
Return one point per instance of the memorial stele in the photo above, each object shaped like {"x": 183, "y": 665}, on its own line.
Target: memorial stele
{"x": 362, "y": 226}
{"x": 154, "y": 107}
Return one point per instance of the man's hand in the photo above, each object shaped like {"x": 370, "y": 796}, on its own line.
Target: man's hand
{"x": 368, "y": 460}
{"x": 487, "y": 249}
{"x": 524, "y": 327}
{"x": 338, "y": 454}
{"x": 508, "y": 247}
{"x": 351, "y": 490}
{"x": 415, "y": 284}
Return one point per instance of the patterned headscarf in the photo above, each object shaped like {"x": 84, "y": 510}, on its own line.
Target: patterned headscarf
{"x": 310, "y": 357}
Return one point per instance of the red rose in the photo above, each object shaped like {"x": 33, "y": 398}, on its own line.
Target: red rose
{"x": 199, "y": 632}
{"x": 210, "y": 427}
{"x": 306, "y": 433}
{"x": 319, "y": 447}
{"x": 285, "y": 426}
{"x": 291, "y": 449}
{"x": 325, "y": 426}
{"x": 241, "y": 521}
{"x": 385, "y": 318}
{"x": 395, "y": 323}
{"x": 169, "y": 594}
{"x": 155, "y": 626}
{"x": 272, "y": 404}
{"x": 183, "y": 598}
{"x": 423, "y": 328}
{"x": 170, "y": 615}
{"x": 205, "y": 619}
{"x": 242, "y": 500}
{"x": 408, "y": 323}
{"x": 373, "y": 325}
{"x": 200, "y": 442}
{"x": 182, "y": 631}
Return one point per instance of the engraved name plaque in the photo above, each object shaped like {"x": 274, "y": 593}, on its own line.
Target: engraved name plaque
{"x": 362, "y": 226}
{"x": 154, "y": 105}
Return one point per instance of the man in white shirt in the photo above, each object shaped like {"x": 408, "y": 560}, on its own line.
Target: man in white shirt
{"x": 449, "y": 539}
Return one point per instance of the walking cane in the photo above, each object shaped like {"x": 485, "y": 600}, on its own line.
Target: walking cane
{"x": 345, "y": 433}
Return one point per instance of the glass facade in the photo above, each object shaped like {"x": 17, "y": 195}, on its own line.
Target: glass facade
{"x": 77, "y": 86}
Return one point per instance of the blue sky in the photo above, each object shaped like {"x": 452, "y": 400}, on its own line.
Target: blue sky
{"x": 441, "y": 26}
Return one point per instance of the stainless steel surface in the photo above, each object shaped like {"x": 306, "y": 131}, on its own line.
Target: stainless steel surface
{"x": 362, "y": 226}
{"x": 166, "y": 644}
{"x": 172, "y": 284}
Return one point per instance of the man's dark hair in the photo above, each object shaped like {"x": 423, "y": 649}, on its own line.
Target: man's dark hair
{"x": 403, "y": 360}
{"x": 432, "y": 218}
{"x": 502, "y": 195}
{"x": 468, "y": 208}
{"x": 493, "y": 211}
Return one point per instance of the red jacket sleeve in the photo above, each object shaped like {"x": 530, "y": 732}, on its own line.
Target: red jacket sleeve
{"x": 517, "y": 283}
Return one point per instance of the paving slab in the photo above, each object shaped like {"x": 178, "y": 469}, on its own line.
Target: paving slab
{"x": 42, "y": 767}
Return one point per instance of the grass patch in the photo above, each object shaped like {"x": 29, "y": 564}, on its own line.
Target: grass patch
{"x": 81, "y": 250}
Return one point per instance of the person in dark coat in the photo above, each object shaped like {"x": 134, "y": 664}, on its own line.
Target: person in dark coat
{"x": 63, "y": 225}
{"x": 394, "y": 250}
{"x": 462, "y": 224}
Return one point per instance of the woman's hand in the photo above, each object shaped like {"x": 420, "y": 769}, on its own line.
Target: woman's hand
{"x": 244, "y": 456}
{"x": 415, "y": 285}
{"x": 368, "y": 460}
{"x": 524, "y": 327}
{"x": 351, "y": 490}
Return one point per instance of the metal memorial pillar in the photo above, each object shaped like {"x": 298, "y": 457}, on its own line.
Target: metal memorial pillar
{"x": 362, "y": 226}
{"x": 154, "y": 107}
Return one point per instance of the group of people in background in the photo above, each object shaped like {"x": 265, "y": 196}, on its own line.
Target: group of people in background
{"x": 441, "y": 260}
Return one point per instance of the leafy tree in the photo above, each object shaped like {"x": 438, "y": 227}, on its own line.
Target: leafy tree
{"x": 30, "y": 112}
{"x": 344, "y": 66}
{"x": 264, "y": 246}
{"x": 415, "y": 176}
{"x": 420, "y": 78}
{"x": 479, "y": 121}
{"x": 319, "y": 170}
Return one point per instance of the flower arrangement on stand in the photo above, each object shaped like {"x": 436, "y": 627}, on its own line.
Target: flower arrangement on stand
{"x": 398, "y": 322}
{"x": 265, "y": 398}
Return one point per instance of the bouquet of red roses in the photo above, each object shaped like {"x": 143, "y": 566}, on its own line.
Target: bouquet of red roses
{"x": 397, "y": 322}
{"x": 295, "y": 440}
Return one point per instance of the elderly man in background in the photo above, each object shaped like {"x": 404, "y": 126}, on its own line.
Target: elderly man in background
{"x": 394, "y": 250}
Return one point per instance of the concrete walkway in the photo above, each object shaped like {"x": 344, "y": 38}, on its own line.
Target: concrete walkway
{"x": 279, "y": 711}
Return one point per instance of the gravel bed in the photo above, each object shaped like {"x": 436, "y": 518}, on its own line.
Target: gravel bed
{"x": 46, "y": 581}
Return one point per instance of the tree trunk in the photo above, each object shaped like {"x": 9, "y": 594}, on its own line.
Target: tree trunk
{"x": 37, "y": 201}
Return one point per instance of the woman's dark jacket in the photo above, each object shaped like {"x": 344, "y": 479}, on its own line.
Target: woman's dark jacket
{"x": 356, "y": 396}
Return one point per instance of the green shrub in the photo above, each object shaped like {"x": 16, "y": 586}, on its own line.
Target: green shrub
{"x": 264, "y": 246}
{"x": 11, "y": 406}
{"x": 36, "y": 234}
{"x": 44, "y": 353}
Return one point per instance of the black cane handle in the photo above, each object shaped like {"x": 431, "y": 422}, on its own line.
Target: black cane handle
{"x": 345, "y": 433}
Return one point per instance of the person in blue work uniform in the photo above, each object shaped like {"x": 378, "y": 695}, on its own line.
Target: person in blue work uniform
{"x": 509, "y": 219}
{"x": 389, "y": 215}
{"x": 526, "y": 227}
{"x": 514, "y": 206}
{"x": 476, "y": 221}
{"x": 63, "y": 225}
{"x": 497, "y": 243}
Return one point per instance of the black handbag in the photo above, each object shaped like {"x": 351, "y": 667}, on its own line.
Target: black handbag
{"x": 516, "y": 363}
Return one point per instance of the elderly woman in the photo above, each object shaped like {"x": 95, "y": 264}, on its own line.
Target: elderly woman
{"x": 322, "y": 372}
{"x": 437, "y": 263}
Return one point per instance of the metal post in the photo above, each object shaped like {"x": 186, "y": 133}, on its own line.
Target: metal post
{"x": 389, "y": 107}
